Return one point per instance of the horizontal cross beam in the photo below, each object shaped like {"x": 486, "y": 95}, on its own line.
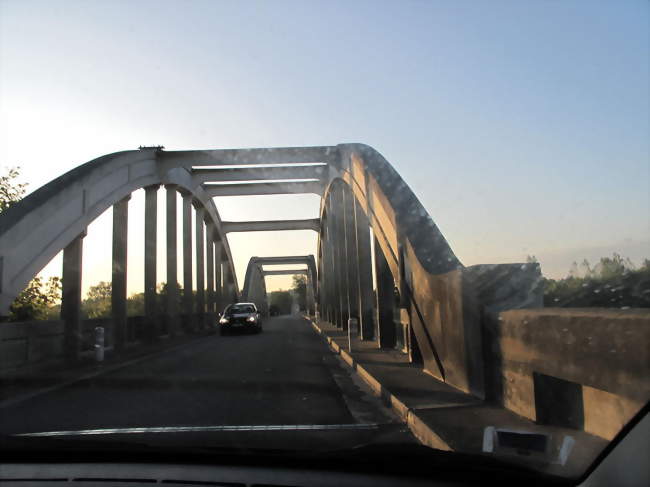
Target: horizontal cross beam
{"x": 271, "y": 225}
{"x": 250, "y": 189}
{"x": 259, "y": 173}
{"x": 285, "y": 272}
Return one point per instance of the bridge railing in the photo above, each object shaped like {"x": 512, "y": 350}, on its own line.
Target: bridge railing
{"x": 36, "y": 342}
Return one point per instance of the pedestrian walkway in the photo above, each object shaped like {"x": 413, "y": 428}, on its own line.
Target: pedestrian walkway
{"x": 439, "y": 415}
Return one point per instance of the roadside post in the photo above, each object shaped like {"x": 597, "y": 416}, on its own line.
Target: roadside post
{"x": 99, "y": 344}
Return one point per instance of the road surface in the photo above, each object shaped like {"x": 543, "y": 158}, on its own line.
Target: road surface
{"x": 282, "y": 388}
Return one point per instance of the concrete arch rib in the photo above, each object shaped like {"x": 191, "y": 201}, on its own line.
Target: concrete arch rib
{"x": 36, "y": 228}
{"x": 256, "y": 274}
{"x": 434, "y": 303}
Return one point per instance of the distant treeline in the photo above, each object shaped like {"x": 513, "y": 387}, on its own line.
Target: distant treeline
{"x": 614, "y": 282}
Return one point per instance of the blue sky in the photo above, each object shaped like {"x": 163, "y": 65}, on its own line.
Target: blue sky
{"x": 522, "y": 126}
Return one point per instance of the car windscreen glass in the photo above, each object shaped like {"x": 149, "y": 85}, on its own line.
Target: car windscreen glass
{"x": 373, "y": 226}
{"x": 241, "y": 309}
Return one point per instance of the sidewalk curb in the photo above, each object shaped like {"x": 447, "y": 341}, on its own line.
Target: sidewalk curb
{"x": 409, "y": 416}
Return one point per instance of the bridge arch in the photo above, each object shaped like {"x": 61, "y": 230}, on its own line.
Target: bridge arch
{"x": 255, "y": 286}
{"x": 420, "y": 283}
{"x": 55, "y": 218}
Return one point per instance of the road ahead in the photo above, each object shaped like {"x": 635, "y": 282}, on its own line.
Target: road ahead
{"x": 284, "y": 376}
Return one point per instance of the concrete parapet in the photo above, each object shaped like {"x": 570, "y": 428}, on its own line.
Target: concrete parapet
{"x": 585, "y": 369}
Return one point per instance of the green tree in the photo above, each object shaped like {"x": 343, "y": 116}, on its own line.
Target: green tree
{"x": 282, "y": 300}
{"x": 98, "y": 301}
{"x": 162, "y": 290}
{"x": 10, "y": 190}
{"x": 135, "y": 304}
{"x": 34, "y": 301}
{"x": 612, "y": 283}
{"x": 300, "y": 290}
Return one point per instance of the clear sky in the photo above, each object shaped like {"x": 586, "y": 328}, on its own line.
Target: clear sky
{"x": 522, "y": 126}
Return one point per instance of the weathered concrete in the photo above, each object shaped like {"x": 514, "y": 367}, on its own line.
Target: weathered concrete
{"x": 255, "y": 285}
{"x": 352, "y": 259}
{"x": 218, "y": 284}
{"x": 340, "y": 257}
{"x": 203, "y": 175}
{"x": 188, "y": 297}
{"x": 119, "y": 271}
{"x": 71, "y": 296}
{"x": 285, "y": 272}
{"x": 199, "y": 242}
{"x": 441, "y": 306}
{"x": 271, "y": 225}
{"x": 385, "y": 286}
{"x": 593, "y": 363}
{"x": 488, "y": 290}
{"x": 209, "y": 267}
{"x": 251, "y": 189}
{"x": 364, "y": 276}
{"x": 150, "y": 253}
{"x": 64, "y": 207}
{"x": 172, "y": 310}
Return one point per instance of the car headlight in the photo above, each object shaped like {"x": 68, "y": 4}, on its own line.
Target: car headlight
{"x": 251, "y": 319}
{"x": 224, "y": 321}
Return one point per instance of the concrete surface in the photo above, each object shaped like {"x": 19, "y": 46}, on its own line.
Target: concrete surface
{"x": 441, "y": 416}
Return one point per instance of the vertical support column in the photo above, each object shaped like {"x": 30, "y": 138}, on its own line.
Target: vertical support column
{"x": 150, "y": 240}
{"x": 209, "y": 257}
{"x": 71, "y": 297}
{"x": 364, "y": 273}
{"x": 330, "y": 271}
{"x": 311, "y": 302}
{"x": 172, "y": 263}
{"x": 218, "y": 294}
{"x": 385, "y": 299}
{"x": 230, "y": 283}
{"x": 200, "y": 266}
{"x": 352, "y": 264}
{"x": 227, "y": 295}
{"x": 340, "y": 258}
{"x": 188, "y": 297}
{"x": 320, "y": 291}
{"x": 118, "y": 282}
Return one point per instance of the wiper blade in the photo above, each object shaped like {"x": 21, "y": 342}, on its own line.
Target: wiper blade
{"x": 203, "y": 429}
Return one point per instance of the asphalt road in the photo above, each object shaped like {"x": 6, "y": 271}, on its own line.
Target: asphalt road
{"x": 284, "y": 376}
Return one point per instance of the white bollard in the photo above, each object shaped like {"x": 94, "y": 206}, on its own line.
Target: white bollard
{"x": 99, "y": 344}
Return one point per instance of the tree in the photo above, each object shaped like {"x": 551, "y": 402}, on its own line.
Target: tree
{"x": 282, "y": 300}
{"x": 34, "y": 302}
{"x": 163, "y": 289}
{"x": 612, "y": 283}
{"x": 135, "y": 304}
{"x": 300, "y": 290}
{"x": 98, "y": 301}
{"x": 10, "y": 190}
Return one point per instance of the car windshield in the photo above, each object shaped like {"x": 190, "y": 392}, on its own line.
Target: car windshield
{"x": 433, "y": 218}
{"x": 242, "y": 308}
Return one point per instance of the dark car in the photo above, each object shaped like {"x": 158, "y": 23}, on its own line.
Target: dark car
{"x": 240, "y": 316}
